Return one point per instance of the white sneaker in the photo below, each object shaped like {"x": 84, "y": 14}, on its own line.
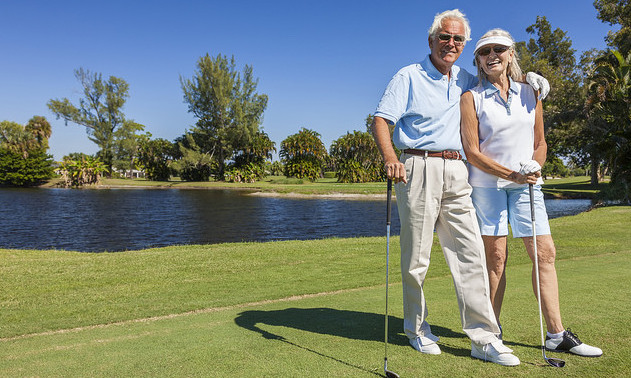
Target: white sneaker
{"x": 570, "y": 343}
{"x": 426, "y": 344}
{"x": 494, "y": 352}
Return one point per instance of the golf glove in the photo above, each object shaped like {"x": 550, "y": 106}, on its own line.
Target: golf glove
{"x": 529, "y": 166}
{"x": 538, "y": 83}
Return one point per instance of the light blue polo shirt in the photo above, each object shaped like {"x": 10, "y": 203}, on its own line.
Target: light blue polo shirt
{"x": 424, "y": 105}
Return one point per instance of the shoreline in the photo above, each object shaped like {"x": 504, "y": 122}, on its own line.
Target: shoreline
{"x": 255, "y": 192}
{"x": 289, "y": 191}
{"x": 340, "y": 196}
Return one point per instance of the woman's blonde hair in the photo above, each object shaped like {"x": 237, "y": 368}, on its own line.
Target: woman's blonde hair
{"x": 513, "y": 69}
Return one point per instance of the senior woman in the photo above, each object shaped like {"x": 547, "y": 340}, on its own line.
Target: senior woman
{"x": 503, "y": 139}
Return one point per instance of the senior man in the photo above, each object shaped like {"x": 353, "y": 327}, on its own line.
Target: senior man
{"x": 423, "y": 101}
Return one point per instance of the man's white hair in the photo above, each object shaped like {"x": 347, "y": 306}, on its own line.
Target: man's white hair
{"x": 453, "y": 14}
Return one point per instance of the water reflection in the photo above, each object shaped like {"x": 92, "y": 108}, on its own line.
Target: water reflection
{"x": 562, "y": 207}
{"x": 127, "y": 219}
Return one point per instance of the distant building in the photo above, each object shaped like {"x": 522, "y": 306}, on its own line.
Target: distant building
{"x": 134, "y": 173}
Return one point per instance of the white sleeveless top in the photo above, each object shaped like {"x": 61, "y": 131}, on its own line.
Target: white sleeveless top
{"x": 506, "y": 130}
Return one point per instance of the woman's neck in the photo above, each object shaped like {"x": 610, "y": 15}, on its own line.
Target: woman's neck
{"x": 502, "y": 83}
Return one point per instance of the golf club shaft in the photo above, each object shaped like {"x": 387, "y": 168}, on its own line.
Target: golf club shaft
{"x": 388, "y": 206}
{"x": 536, "y": 258}
{"x": 551, "y": 361}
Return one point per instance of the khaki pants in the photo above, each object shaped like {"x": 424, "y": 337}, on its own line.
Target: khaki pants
{"x": 437, "y": 196}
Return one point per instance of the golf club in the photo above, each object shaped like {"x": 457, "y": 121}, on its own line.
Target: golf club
{"x": 388, "y": 373}
{"x": 551, "y": 361}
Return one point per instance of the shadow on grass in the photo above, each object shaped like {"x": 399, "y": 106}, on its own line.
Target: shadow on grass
{"x": 327, "y": 321}
{"x": 353, "y": 325}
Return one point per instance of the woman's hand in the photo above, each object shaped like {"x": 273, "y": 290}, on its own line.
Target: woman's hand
{"x": 530, "y": 178}
{"x": 530, "y": 171}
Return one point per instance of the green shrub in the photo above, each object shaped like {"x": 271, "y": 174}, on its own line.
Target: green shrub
{"x": 191, "y": 172}
{"x": 77, "y": 173}
{"x": 304, "y": 167}
{"x": 249, "y": 172}
{"x": 276, "y": 168}
{"x": 303, "y": 154}
{"x": 357, "y": 158}
{"x": 18, "y": 170}
{"x": 154, "y": 157}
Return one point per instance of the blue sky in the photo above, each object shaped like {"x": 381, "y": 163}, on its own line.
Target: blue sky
{"x": 324, "y": 64}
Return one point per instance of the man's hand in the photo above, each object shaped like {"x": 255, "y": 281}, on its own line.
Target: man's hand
{"x": 538, "y": 83}
{"x": 395, "y": 170}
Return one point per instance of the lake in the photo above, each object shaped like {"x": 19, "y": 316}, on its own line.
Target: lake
{"x": 131, "y": 219}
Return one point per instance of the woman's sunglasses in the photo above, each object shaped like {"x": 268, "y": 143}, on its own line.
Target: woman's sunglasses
{"x": 497, "y": 49}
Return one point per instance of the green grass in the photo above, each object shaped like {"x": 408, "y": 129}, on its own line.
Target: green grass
{"x": 573, "y": 187}
{"x": 295, "y": 308}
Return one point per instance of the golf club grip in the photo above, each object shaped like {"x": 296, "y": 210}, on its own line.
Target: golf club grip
{"x": 389, "y": 202}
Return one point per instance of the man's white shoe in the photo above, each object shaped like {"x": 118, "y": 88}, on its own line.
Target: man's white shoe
{"x": 426, "y": 344}
{"x": 495, "y": 352}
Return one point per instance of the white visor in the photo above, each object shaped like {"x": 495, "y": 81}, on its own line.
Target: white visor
{"x": 493, "y": 40}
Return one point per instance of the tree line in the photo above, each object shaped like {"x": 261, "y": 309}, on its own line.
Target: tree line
{"x": 587, "y": 121}
{"x": 587, "y": 115}
{"x": 226, "y": 143}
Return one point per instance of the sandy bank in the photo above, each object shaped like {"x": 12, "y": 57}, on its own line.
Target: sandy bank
{"x": 340, "y": 196}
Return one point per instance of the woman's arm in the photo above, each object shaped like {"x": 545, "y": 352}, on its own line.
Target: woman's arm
{"x": 469, "y": 131}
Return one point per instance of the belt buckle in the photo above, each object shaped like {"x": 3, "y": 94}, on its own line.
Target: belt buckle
{"x": 453, "y": 155}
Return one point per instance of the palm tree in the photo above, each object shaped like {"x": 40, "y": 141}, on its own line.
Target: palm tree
{"x": 356, "y": 158}
{"x": 609, "y": 110}
{"x": 304, "y": 155}
{"x": 40, "y": 128}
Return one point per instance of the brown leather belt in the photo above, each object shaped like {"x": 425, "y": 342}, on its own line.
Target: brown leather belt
{"x": 452, "y": 155}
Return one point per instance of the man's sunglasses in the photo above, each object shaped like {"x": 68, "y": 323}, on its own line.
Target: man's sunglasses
{"x": 487, "y": 50}
{"x": 458, "y": 39}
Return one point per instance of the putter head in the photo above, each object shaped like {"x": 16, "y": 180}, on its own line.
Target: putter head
{"x": 551, "y": 361}
{"x": 555, "y": 362}
{"x": 388, "y": 373}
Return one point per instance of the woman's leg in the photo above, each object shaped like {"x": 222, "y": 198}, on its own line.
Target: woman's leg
{"x": 547, "y": 279}
{"x": 496, "y": 256}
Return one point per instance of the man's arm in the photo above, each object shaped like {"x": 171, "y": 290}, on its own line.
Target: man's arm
{"x": 395, "y": 170}
{"x": 541, "y": 147}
